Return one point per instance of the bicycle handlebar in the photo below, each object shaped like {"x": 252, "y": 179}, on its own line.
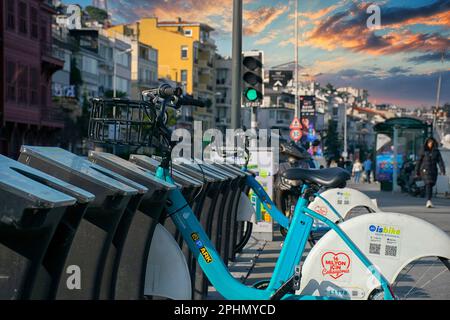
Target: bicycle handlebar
{"x": 186, "y": 100}
{"x": 166, "y": 91}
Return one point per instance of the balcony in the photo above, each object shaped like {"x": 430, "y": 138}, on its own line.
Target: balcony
{"x": 52, "y": 58}
{"x": 208, "y": 41}
{"x": 52, "y": 116}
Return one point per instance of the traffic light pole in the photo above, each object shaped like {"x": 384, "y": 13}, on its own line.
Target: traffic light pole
{"x": 236, "y": 65}
{"x": 297, "y": 109}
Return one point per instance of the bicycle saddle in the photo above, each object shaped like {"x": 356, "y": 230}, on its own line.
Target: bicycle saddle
{"x": 331, "y": 177}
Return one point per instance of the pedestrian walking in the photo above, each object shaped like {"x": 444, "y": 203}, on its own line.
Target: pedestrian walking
{"x": 341, "y": 163}
{"x": 333, "y": 164}
{"x": 426, "y": 167}
{"x": 367, "y": 168}
{"x": 357, "y": 170}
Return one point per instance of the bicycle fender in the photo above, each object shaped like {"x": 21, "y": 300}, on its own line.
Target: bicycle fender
{"x": 245, "y": 209}
{"x": 390, "y": 241}
{"x": 343, "y": 200}
{"x": 167, "y": 274}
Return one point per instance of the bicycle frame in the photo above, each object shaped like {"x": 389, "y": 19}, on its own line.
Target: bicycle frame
{"x": 275, "y": 213}
{"x": 216, "y": 271}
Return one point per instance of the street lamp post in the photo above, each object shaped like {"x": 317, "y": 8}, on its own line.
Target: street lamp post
{"x": 115, "y": 69}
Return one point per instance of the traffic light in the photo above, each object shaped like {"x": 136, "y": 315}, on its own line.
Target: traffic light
{"x": 252, "y": 78}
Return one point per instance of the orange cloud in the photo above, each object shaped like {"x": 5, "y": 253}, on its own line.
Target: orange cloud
{"x": 257, "y": 20}
{"x": 318, "y": 14}
{"x": 217, "y": 14}
{"x": 348, "y": 30}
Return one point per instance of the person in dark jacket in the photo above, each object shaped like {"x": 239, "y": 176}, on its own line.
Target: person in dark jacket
{"x": 427, "y": 169}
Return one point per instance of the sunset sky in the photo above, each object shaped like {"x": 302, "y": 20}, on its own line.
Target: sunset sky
{"x": 398, "y": 63}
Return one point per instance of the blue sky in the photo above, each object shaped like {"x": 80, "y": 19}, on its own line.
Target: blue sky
{"x": 397, "y": 63}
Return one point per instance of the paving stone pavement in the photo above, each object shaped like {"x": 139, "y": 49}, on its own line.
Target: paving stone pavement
{"x": 428, "y": 278}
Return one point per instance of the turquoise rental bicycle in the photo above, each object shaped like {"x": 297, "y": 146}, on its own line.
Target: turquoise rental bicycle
{"x": 147, "y": 127}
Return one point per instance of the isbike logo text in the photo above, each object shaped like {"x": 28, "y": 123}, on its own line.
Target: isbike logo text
{"x": 390, "y": 230}
{"x": 195, "y": 237}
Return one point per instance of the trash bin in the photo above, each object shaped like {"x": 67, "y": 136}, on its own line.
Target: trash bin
{"x": 99, "y": 240}
{"x": 30, "y": 211}
{"x": 146, "y": 218}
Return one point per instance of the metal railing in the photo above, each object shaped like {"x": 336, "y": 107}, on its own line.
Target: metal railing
{"x": 51, "y": 50}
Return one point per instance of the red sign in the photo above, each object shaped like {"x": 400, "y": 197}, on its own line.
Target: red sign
{"x": 295, "y": 124}
{"x": 335, "y": 264}
{"x": 296, "y": 134}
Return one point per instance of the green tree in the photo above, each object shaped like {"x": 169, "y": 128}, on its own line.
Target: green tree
{"x": 83, "y": 119}
{"x": 119, "y": 94}
{"x": 332, "y": 143}
{"x": 75, "y": 76}
{"x": 96, "y": 14}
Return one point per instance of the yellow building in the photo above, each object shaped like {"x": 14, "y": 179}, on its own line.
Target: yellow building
{"x": 186, "y": 55}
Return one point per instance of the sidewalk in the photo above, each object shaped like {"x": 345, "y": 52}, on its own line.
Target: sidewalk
{"x": 258, "y": 259}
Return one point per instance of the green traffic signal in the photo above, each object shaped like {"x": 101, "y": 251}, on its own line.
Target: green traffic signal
{"x": 251, "y": 94}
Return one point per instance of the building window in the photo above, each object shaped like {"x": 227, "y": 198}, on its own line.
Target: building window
{"x": 143, "y": 53}
{"x": 195, "y": 55}
{"x": 90, "y": 65}
{"x": 23, "y": 18}
{"x": 335, "y": 111}
{"x": 188, "y": 32}
{"x": 44, "y": 30}
{"x": 34, "y": 80}
{"x": 11, "y": 14}
{"x": 11, "y": 80}
{"x": 123, "y": 58}
{"x": 184, "y": 52}
{"x": 34, "y": 22}
{"x": 184, "y": 75}
{"x": 23, "y": 84}
{"x": 122, "y": 84}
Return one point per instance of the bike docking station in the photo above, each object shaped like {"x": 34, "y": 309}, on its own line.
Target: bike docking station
{"x": 100, "y": 239}
{"x": 38, "y": 214}
{"x": 166, "y": 273}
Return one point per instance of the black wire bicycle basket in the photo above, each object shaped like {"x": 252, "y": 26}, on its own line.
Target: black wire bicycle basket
{"x": 122, "y": 122}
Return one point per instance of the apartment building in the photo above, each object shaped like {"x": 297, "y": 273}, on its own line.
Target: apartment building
{"x": 144, "y": 61}
{"x": 223, "y": 92}
{"x": 29, "y": 59}
{"x": 186, "y": 55}
{"x": 115, "y": 62}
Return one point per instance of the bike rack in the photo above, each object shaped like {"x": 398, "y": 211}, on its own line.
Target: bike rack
{"x": 99, "y": 243}
{"x": 190, "y": 188}
{"x": 168, "y": 278}
{"x": 229, "y": 216}
{"x": 30, "y": 213}
{"x": 205, "y": 210}
{"x": 237, "y": 192}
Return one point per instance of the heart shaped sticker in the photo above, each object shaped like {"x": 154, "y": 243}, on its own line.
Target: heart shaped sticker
{"x": 335, "y": 264}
